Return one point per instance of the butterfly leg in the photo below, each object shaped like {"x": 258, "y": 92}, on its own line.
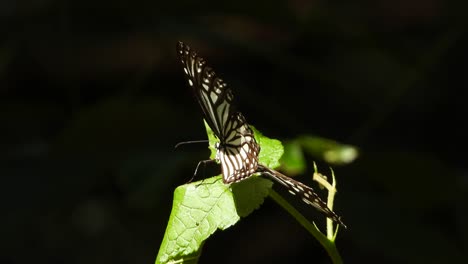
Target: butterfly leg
{"x": 204, "y": 162}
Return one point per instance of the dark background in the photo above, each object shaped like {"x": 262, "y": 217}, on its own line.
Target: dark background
{"x": 93, "y": 100}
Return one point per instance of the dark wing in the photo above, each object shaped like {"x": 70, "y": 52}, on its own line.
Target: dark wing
{"x": 211, "y": 92}
{"x": 239, "y": 153}
{"x": 306, "y": 193}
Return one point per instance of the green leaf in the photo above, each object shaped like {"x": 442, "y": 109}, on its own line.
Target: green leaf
{"x": 212, "y": 140}
{"x": 200, "y": 208}
{"x": 271, "y": 150}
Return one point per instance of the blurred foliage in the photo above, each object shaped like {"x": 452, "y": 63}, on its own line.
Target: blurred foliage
{"x": 92, "y": 102}
{"x": 293, "y": 161}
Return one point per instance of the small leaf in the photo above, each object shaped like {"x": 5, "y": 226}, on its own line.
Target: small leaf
{"x": 271, "y": 150}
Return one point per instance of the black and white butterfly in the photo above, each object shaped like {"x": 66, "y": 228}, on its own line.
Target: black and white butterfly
{"x": 237, "y": 149}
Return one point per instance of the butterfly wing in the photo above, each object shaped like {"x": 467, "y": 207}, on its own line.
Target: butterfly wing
{"x": 212, "y": 93}
{"x": 239, "y": 153}
{"x": 306, "y": 193}
{"x": 237, "y": 149}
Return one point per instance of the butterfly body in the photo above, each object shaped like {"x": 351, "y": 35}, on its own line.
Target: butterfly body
{"x": 237, "y": 149}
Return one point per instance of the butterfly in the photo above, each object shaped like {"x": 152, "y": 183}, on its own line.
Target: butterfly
{"x": 237, "y": 149}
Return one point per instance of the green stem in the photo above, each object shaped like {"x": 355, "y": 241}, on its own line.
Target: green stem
{"x": 331, "y": 197}
{"x": 312, "y": 228}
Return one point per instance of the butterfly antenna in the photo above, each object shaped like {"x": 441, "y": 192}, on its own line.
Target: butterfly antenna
{"x": 190, "y": 142}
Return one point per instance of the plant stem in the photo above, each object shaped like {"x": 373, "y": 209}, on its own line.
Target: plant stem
{"x": 312, "y": 228}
